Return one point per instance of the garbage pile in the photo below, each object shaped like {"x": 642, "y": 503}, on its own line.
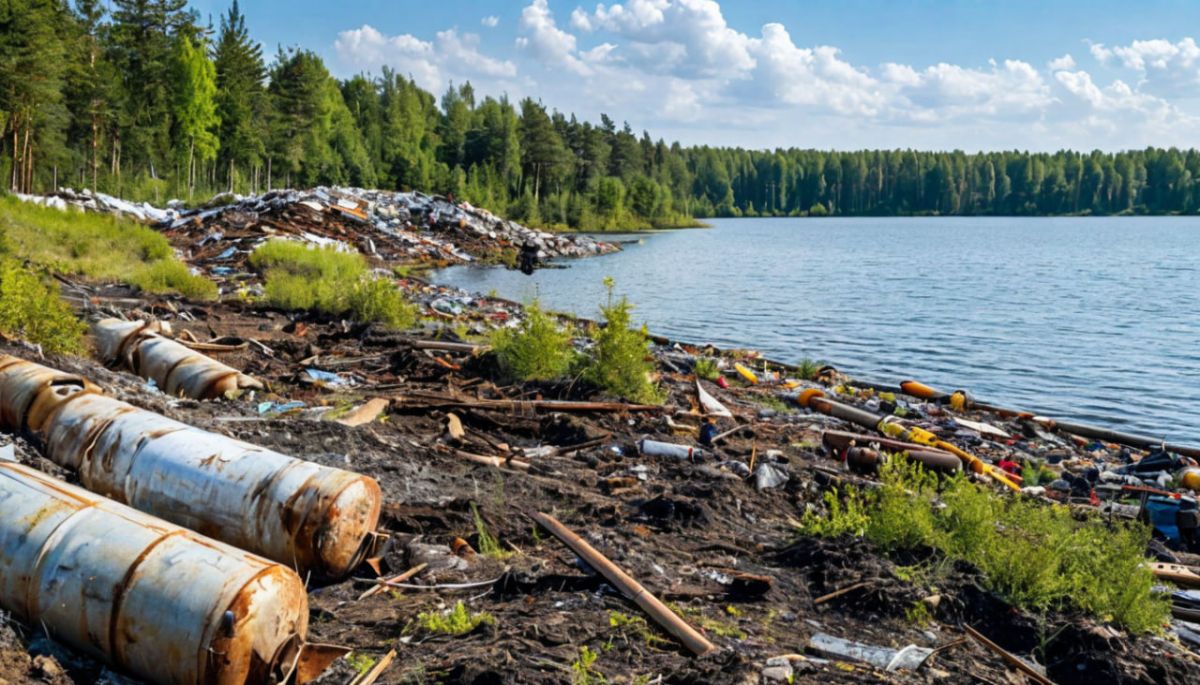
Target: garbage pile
{"x": 101, "y": 203}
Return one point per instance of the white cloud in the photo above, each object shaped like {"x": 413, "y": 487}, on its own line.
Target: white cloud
{"x": 1162, "y": 66}
{"x": 546, "y": 41}
{"x": 490, "y": 22}
{"x": 1064, "y": 62}
{"x": 945, "y": 91}
{"x": 450, "y": 56}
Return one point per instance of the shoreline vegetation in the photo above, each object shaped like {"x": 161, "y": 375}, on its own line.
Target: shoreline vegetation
{"x": 142, "y": 102}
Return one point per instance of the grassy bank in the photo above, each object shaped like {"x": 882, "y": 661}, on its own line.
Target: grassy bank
{"x": 98, "y": 247}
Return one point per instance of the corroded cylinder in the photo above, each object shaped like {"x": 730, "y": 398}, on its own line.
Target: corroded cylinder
{"x": 307, "y": 516}
{"x": 175, "y": 368}
{"x": 152, "y": 598}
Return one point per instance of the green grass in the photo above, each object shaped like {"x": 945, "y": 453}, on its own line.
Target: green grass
{"x": 99, "y": 247}
{"x": 489, "y": 546}
{"x": 619, "y": 361}
{"x": 457, "y": 621}
{"x": 536, "y": 350}
{"x": 30, "y": 308}
{"x": 807, "y": 369}
{"x": 583, "y": 671}
{"x": 1036, "y": 556}
{"x": 303, "y": 277}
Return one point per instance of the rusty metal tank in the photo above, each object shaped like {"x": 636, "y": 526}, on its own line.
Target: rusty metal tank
{"x": 307, "y": 516}
{"x": 150, "y": 597}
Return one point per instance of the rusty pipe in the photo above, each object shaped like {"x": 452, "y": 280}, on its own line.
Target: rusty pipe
{"x": 304, "y": 515}
{"x": 962, "y": 400}
{"x": 889, "y": 426}
{"x": 153, "y": 599}
{"x": 860, "y": 453}
{"x": 176, "y": 369}
{"x": 673, "y": 624}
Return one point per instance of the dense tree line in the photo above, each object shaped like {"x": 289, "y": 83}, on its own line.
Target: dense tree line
{"x": 137, "y": 98}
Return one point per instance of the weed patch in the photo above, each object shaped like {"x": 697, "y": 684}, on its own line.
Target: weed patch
{"x": 30, "y": 308}
{"x": 707, "y": 369}
{"x": 488, "y": 545}
{"x": 327, "y": 280}
{"x": 98, "y": 246}
{"x": 457, "y": 621}
{"x": 1036, "y": 556}
{"x": 583, "y": 670}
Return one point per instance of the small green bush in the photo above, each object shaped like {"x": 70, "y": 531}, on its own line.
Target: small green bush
{"x": 324, "y": 279}
{"x": 30, "y": 308}
{"x": 378, "y": 299}
{"x": 489, "y": 546}
{"x": 707, "y": 369}
{"x": 457, "y": 621}
{"x": 536, "y": 350}
{"x": 169, "y": 275}
{"x": 618, "y": 361}
{"x": 1036, "y": 556}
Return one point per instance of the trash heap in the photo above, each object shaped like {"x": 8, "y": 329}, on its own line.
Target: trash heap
{"x": 101, "y": 203}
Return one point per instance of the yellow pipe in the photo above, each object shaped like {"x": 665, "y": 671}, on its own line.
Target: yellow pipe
{"x": 924, "y": 437}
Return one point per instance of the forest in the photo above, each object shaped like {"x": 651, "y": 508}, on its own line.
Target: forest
{"x": 138, "y": 99}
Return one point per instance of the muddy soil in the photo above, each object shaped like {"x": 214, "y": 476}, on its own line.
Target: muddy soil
{"x": 725, "y": 555}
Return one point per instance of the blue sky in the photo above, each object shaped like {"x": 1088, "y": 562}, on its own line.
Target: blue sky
{"x": 856, "y": 73}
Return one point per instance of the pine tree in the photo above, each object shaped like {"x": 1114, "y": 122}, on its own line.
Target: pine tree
{"x": 241, "y": 96}
{"x": 195, "y": 107}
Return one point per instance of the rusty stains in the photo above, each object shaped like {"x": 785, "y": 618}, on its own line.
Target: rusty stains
{"x": 284, "y": 508}
{"x": 175, "y": 368}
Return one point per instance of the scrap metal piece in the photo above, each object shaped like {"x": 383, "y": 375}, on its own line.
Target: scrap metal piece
{"x": 304, "y": 515}
{"x": 153, "y": 599}
{"x": 906, "y": 659}
{"x": 175, "y": 368}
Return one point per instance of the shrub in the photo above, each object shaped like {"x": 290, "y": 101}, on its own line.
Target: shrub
{"x": 619, "y": 358}
{"x": 489, "y": 546}
{"x": 707, "y": 369}
{"x": 30, "y": 308}
{"x": 169, "y": 275}
{"x": 324, "y": 279}
{"x": 378, "y": 299}
{"x": 536, "y": 350}
{"x": 1036, "y": 556}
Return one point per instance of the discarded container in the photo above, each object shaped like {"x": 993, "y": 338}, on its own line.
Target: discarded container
{"x": 654, "y": 448}
{"x": 888, "y": 659}
{"x": 746, "y": 374}
{"x": 304, "y": 515}
{"x": 176, "y": 369}
{"x": 150, "y": 597}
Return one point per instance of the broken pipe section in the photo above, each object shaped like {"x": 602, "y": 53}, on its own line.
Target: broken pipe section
{"x": 176, "y": 369}
{"x": 307, "y": 516}
{"x": 149, "y": 597}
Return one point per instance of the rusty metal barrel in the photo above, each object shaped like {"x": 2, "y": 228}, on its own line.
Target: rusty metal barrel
{"x": 307, "y": 516}
{"x": 175, "y": 368}
{"x": 153, "y": 599}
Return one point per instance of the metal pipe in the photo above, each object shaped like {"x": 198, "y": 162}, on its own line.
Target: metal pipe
{"x": 308, "y": 516}
{"x": 815, "y": 399}
{"x": 176, "y": 369}
{"x": 153, "y": 599}
{"x": 1094, "y": 432}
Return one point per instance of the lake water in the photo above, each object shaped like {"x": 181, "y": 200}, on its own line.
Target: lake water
{"x": 1092, "y": 319}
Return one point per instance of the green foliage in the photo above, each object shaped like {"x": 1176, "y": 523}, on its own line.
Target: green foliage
{"x": 98, "y": 246}
{"x": 169, "y": 275}
{"x": 379, "y": 299}
{"x": 31, "y": 309}
{"x": 1036, "y": 556}
{"x": 635, "y": 626}
{"x": 361, "y": 663}
{"x": 456, "y": 621}
{"x": 619, "y": 359}
{"x": 807, "y": 369}
{"x": 536, "y": 350}
{"x": 195, "y": 107}
{"x": 488, "y": 545}
{"x": 707, "y": 369}
{"x": 325, "y": 279}
{"x": 583, "y": 668}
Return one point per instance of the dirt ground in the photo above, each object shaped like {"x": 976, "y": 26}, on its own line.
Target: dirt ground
{"x": 701, "y": 536}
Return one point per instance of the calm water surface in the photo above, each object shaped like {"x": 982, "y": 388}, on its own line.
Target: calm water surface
{"x": 1092, "y": 319}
